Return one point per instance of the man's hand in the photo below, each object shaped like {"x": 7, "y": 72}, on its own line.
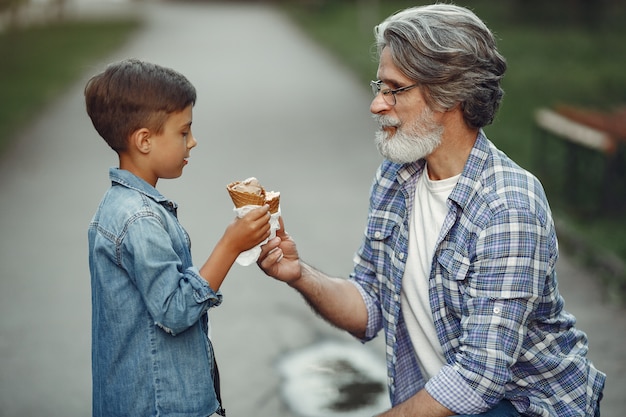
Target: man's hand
{"x": 336, "y": 300}
{"x": 279, "y": 257}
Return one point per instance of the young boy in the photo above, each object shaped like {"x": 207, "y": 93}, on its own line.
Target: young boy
{"x": 151, "y": 354}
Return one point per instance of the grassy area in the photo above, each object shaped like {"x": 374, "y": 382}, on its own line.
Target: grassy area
{"x": 553, "y": 59}
{"x": 38, "y": 62}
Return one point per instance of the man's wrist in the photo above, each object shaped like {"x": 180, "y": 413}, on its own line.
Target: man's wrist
{"x": 305, "y": 271}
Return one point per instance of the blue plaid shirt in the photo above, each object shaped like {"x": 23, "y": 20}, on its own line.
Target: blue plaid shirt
{"x": 493, "y": 293}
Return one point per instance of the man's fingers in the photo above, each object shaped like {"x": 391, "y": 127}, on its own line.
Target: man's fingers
{"x": 272, "y": 257}
{"x": 281, "y": 230}
{"x": 276, "y": 253}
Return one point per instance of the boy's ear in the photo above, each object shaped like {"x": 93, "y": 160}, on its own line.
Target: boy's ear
{"x": 141, "y": 139}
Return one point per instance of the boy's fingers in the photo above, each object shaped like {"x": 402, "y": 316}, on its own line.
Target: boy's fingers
{"x": 259, "y": 212}
{"x": 263, "y": 210}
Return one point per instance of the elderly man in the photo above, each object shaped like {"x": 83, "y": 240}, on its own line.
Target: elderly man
{"x": 457, "y": 265}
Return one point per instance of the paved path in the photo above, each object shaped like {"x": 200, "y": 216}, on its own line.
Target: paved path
{"x": 271, "y": 104}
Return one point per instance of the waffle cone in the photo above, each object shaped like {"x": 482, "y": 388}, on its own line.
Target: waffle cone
{"x": 274, "y": 201}
{"x": 241, "y": 199}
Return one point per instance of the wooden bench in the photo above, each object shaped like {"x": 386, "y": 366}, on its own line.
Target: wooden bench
{"x": 587, "y": 130}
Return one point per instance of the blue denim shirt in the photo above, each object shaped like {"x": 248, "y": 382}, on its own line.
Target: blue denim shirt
{"x": 151, "y": 355}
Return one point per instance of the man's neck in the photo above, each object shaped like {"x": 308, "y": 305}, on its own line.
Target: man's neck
{"x": 451, "y": 155}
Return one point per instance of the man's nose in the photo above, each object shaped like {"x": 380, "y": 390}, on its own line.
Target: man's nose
{"x": 379, "y": 104}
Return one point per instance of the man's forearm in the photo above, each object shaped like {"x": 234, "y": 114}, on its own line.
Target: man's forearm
{"x": 334, "y": 299}
{"x": 421, "y": 404}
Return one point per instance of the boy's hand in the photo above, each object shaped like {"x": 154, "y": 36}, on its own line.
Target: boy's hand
{"x": 248, "y": 231}
{"x": 279, "y": 257}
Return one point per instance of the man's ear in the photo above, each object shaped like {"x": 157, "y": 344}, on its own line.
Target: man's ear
{"x": 141, "y": 139}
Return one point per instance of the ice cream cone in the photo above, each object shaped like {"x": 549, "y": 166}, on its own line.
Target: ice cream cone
{"x": 241, "y": 198}
{"x": 273, "y": 199}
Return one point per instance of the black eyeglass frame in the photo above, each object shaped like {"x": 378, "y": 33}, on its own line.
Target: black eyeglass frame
{"x": 388, "y": 92}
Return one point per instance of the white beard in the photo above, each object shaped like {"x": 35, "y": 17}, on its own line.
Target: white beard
{"x": 416, "y": 141}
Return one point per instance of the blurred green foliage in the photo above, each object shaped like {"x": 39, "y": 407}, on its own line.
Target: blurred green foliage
{"x": 558, "y": 52}
{"x": 39, "y": 61}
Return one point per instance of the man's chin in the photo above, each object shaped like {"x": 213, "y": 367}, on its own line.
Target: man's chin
{"x": 398, "y": 155}
{"x": 386, "y": 135}
{"x": 400, "y": 161}
{"x": 393, "y": 156}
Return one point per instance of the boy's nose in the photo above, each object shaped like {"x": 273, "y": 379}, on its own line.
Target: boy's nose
{"x": 192, "y": 142}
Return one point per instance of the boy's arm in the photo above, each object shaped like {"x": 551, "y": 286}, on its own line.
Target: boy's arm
{"x": 242, "y": 234}
{"x": 176, "y": 295}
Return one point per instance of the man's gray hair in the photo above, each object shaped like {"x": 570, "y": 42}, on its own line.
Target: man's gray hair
{"x": 451, "y": 53}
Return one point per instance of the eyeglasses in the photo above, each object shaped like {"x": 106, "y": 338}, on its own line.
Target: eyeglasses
{"x": 389, "y": 95}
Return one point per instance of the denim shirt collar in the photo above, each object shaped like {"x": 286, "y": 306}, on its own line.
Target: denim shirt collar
{"x": 130, "y": 180}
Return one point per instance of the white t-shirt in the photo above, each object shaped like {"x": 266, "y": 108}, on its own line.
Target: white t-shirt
{"x": 429, "y": 212}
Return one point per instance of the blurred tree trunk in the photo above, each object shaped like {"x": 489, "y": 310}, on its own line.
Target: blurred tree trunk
{"x": 11, "y": 9}
{"x": 592, "y": 12}
{"x": 58, "y": 9}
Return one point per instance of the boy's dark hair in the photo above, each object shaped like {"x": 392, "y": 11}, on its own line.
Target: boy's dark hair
{"x": 132, "y": 94}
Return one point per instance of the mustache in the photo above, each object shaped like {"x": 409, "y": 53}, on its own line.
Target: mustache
{"x": 386, "y": 121}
